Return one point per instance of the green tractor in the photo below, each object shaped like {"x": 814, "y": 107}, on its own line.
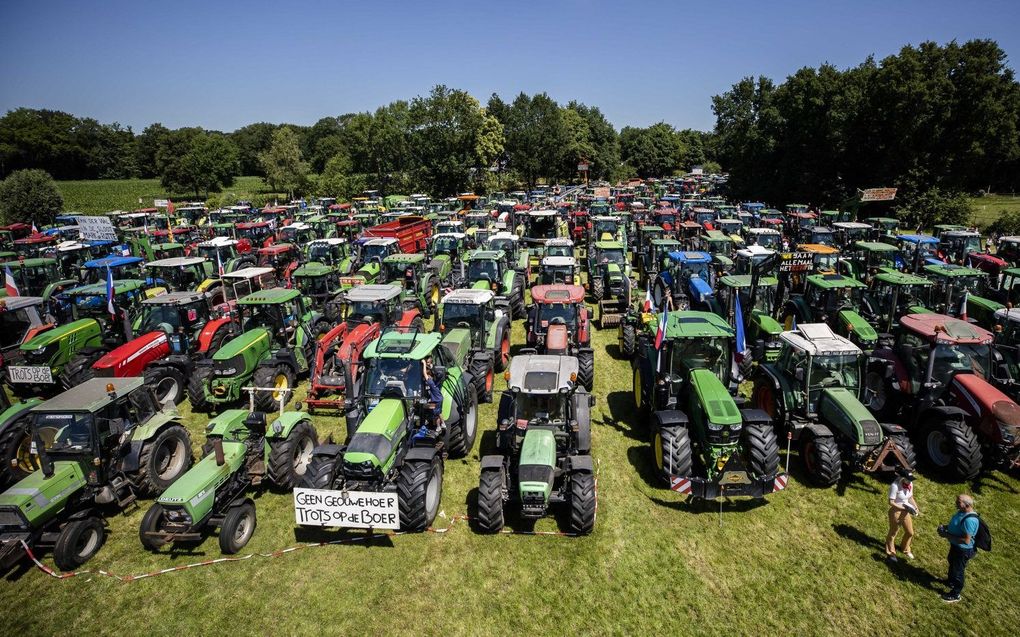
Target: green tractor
{"x": 704, "y": 445}
{"x": 244, "y": 450}
{"x": 757, "y": 305}
{"x": 813, "y": 391}
{"x": 320, "y": 284}
{"x": 892, "y": 295}
{"x": 448, "y": 253}
{"x": 100, "y": 445}
{"x": 543, "y": 442}
{"x": 486, "y": 331}
{"x": 332, "y": 251}
{"x": 37, "y": 277}
{"x": 833, "y": 299}
{"x": 953, "y": 284}
{"x": 369, "y": 256}
{"x": 223, "y": 252}
{"x": 420, "y": 283}
{"x": 389, "y": 447}
{"x": 488, "y": 270}
{"x": 272, "y": 351}
{"x": 16, "y": 439}
{"x": 609, "y": 281}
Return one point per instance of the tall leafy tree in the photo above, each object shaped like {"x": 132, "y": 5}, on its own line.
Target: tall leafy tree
{"x": 651, "y": 152}
{"x": 283, "y": 164}
{"x": 251, "y": 141}
{"x": 29, "y": 195}
{"x": 535, "y": 136}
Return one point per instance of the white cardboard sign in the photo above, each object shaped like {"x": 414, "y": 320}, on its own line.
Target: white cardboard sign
{"x": 97, "y": 228}
{"x": 349, "y": 509}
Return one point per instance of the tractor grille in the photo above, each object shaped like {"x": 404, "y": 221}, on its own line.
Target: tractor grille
{"x": 11, "y": 518}
{"x": 365, "y": 471}
{"x": 872, "y": 432}
{"x": 230, "y": 367}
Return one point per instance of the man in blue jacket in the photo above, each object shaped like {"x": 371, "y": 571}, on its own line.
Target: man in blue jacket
{"x": 960, "y": 532}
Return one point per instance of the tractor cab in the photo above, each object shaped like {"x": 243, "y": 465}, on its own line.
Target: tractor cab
{"x": 765, "y": 237}
{"x": 892, "y": 295}
{"x": 404, "y": 269}
{"x": 221, "y": 251}
{"x": 957, "y": 245}
{"x": 834, "y": 299}
{"x": 37, "y": 277}
{"x": 818, "y": 235}
{"x": 373, "y": 303}
{"x": 472, "y": 309}
{"x": 278, "y": 310}
{"x": 539, "y": 226}
{"x": 253, "y": 234}
{"x": 848, "y": 233}
{"x": 122, "y": 267}
{"x": 317, "y": 282}
{"x": 721, "y": 247}
{"x": 818, "y": 359}
{"x": 180, "y": 315}
{"x": 825, "y": 258}
{"x": 935, "y": 348}
{"x": 757, "y": 307}
{"x": 1008, "y": 248}
{"x": 607, "y": 228}
{"x": 557, "y": 305}
{"x": 240, "y": 283}
{"x": 654, "y": 255}
{"x": 558, "y": 270}
{"x": 282, "y": 257}
{"x": 868, "y": 258}
{"x": 561, "y": 247}
{"x": 542, "y": 388}
{"x": 332, "y": 252}
{"x": 883, "y": 228}
{"x": 687, "y": 281}
{"x": 298, "y": 233}
{"x": 488, "y": 266}
{"x": 179, "y": 273}
{"x": 705, "y": 217}
{"x": 90, "y": 301}
{"x": 21, "y": 318}
{"x": 918, "y": 250}
{"x": 34, "y": 244}
{"x": 693, "y": 341}
{"x": 952, "y": 283}
{"x": 446, "y": 226}
{"x": 731, "y": 227}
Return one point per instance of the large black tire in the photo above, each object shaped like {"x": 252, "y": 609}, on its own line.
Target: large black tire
{"x": 762, "y": 449}
{"x": 490, "y": 502}
{"x": 79, "y": 368}
{"x": 628, "y": 340}
{"x": 879, "y": 396}
{"x": 197, "y": 384}
{"x": 583, "y": 501}
{"x": 164, "y": 459}
{"x": 321, "y": 472}
{"x": 502, "y": 355}
{"x": 483, "y": 377}
{"x": 168, "y": 383}
{"x": 152, "y": 522}
{"x": 463, "y": 433}
{"x": 952, "y": 447}
{"x": 586, "y": 369}
{"x": 289, "y": 458}
{"x": 906, "y": 447}
{"x": 820, "y": 455}
{"x": 419, "y": 491}
{"x": 671, "y": 447}
{"x": 15, "y": 442}
{"x": 78, "y": 541}
{"x": 598, "y": 289}
{"x": 216, "y": 342}
{"x": 237, "y": 528}
{"x": 280, "y": 376}
{"x": 517, "y": 310}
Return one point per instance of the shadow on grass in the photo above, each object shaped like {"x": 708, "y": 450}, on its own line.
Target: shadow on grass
{"x": 622, "y": 416}
{"x": 992, "y": 482}
{"x": 613, "y": 349}
{"x": 902, "y": 569}
{"x": 512, "y": 519}
{"x": 365, "y": 538}
{"x": 640, "y": 457}
{"x": 700, "y": 506}
{"x": 16, "y": 571}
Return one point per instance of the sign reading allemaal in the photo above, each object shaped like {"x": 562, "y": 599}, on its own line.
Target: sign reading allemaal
{"x": 348, "y": 509}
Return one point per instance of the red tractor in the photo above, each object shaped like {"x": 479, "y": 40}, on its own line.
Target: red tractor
{"x": 935, "y": 380}
{"x": 252, "y": 235}
{"x": 177, "y": 328}
{"x": 366, "y": 309}
{"x": 559, "y": 323}
{"x": 284, "y": 258}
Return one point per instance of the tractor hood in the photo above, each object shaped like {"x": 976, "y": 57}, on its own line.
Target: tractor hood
{"x": 40, "y": 498}
{"x": 700, "y": 289}
{"x": 840, "y": 409}
{"x": 481, "y": 284}
{"x": 458, "y": 343}
{"x": 196, "y": 489}
{"x": 59, "y": 333}
{"x": 978, "y": 397}
{"x": 374, "y": 443}
{"x": 239, "y": 344}
{"x": 130, "y": 358}
{"x": 714, "y": 398}
{"x": 856, "y": 324}
{"x": 767, "y": 324}
{"x": 536, "y": 468}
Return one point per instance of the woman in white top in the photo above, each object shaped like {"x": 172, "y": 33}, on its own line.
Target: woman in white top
{"x": 901, "y": 507}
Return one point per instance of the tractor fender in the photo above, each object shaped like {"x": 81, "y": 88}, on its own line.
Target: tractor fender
{"x": 281, "y": 357}
{"x": 670, "y": 418}
{"x": 581, "y": 464}
{"x": 425, "y": 454}
{"x": 754, "y": 416}
{"x": 892, "y": 429}
{"x": 818, "y": 430}
{"x": 492, "y": 338}
{"x": 492, "y": 463}
{"x": 287, "y": 421}
{"x": 942, "y": 413}
{"x": 209, "y": 330}
{"x": 224, "y": 423}
{"x": 143, "y": 434}
{"x": 328, "y": 450}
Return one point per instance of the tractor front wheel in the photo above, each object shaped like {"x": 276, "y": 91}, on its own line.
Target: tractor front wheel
{"x": 583, "y": 502}
{"x": 503, "y": 355}
{"x": 762, "y": 449}
{"x": 419, "y": 491}
{"x": 598, "y": 289}
{"x": 628, "y": 340}
{"x": 289, "y": 458}
{"x": 672, "y": 449}
{"x": 821, "y": 458}
{"x": 164, "y": 459}
{"x": 196, "y": 389}
{"x": 462, "y": 434}
{"x": 952, "y": 447}
{"x": 906, "y": 447}
{"x": 490, "y": 502}
{"x": 167, "y": 382}
{"x": 321, "y": 472}
{"x": 482, "y": 377}
{"x": 78, "y": 541}
{"x": 237, "y": 528}
{"x": 586, "y": 369}
{"x": 16, "y": 451}
{"x": 152, "y": 522}
{"x": 79, "y": 368}
{"x": 277, "y": 383}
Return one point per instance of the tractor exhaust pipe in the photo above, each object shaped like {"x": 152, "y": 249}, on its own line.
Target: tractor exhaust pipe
{"x": 218, "y": 451}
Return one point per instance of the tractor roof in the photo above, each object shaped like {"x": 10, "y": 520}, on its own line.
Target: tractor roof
{"x": 542, "y": 374}
{"x": 557, "y": 293}
{"x": 609, "y": 245}
{"x": 468, "y": 297}
{"x": 313, "y": 269}
{"x": 817, "y": 248}
{"x": 405, "y": 257}
{"x": 95, "y": 289}
{"x": 902, "y": 278}
{"x": 875, "y": 246}
{"x": 819, "y": 339}
{"x": 771, "y": 231}
{"x": 559, "y": 261}
{"x": 218, "y": 242}
{"x": 408, "y": 345}
{"x": 917, "y": 238}
{"x": 332, "y": 241}
{"x": 559, "y": 242}
{"x": 13, "y": 303}
{"x": 849, "y": 225}
{"x": 690, "y": 324}
{"x": 834, "y": 281}
{"x": 946, "y": 329}
{"x": 951, "y": 270}
{"x": 34, "y": 262}
{"x": 247, "y": 273}
{"x": 380, "y": 241}
{"x": 374, "y": 292}
{"x": 112, "y": 262}
{"x": 1011, "y": 315}
{"x": 297, "y": 225}
{"x": 960, "y": 233}
{"x": 504, "y": 235}
{"x": 277, "y": 248}
{"x": 459, "y": 236}
{"x": 269, "y": 297}
{"x": 541, "y": 213}
{"x": 606, "y": 218}
{"x": 1010, "y": 239}
{"x": 744, "y": 281}
{"x": 90, "y": 396}
{"x": 681, "y": 256}
{"x": 486, "y": 255}
{"x": 175, "y": 298}
{"x": 175, "y": 262}
{"x": 665, "y": 242}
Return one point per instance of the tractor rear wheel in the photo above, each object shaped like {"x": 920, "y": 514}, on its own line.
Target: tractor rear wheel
{"x": 672, "y": 449}
{"x": 15, "y": 451}
{"x": 152, "y": 522}
{"x": 906, "y": 447}
{"x": 598, "y": 289}
{"x": 462, "y": 434}
{"x": 763, "y": 396}
{"x": 517, "y": 302}
{"x": 168, "y": 383}
{"x": 762, "y": 449}
{"x": 289, "y": 458}
{"x": 583, "y": 502}
{"x": 196, "y": 389}
{"x": 482, "y": 377}
{"x": 419, "y": 491}
{"x": 586, "y": 369}
{"x": 79, "y": 368}
{"x": 952, "y": 446}
{"x": 628, "y": 340}
{"x": 280, "y": 379}
{"x": 237, "y": 528}
{"x": 820, "y": 455}
{"x": 321, "y": 472}
{"x": 490, "y": 502}
{"x": 503, "y": 354}
{"x": 164, "y": 459}
{"x": 78, "y": 541}
{"x": 879, "y": 396}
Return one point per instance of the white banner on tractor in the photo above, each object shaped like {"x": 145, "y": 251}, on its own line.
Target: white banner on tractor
{"x": 96, "y": 228}
{"x": 348, "y": 509}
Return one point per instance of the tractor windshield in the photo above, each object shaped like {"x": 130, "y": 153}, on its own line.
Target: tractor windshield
{"x": 366, "y": 311}
{"x": 313, "y": 285}
{"x": 700, "y": 353}
{"x": 833, "y": 370}
{"x": 612, "y": 255}
{"x": 33, "y": 280}
{"x": 557, "y": 274}
{"x": 506, "y": 245}
{"x": 370, "y": 252}
{"x": 479, "y": 269}
{"x": 166, "y": 318}
{"x": 384, "y": 375}
{"x": 456, "y": 313}
{"x": 605, "y": 228}
{"x": 98, "y": 275}
{"x": 950, "y": 358}
{"x": 270, "y": 316}
{"x": 767, "y": 240}
{"x": 71, "y": 433}
{"x": 290, "y": 234}
{"x": 13, "y": 326}
{"x": 559, "y": 251}
{"x": 539, "y": 407}
{"x": 556, "y": 313}
{"x": 446, "y": 245}
{"x": 181, "y": 278}
{"x": 701, "y": 270}
{"x": 542, "y": 227}
{"x": 321, "y": 252}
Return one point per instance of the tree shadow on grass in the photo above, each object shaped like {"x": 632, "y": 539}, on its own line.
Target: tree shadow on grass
{"x": 901, "y": 569}
{"x": 992, "y": 482}
{"x": 623, "y": 416}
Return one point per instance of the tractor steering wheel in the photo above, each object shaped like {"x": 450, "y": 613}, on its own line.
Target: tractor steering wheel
{"x": 557, "y": 320}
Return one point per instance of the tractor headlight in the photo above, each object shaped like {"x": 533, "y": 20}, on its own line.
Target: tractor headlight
{"x": 737, "y": 427}
{"x": 178, "y": 516}
{"x": 1008, "y": 432}
{"x": 712, "y": 426}
{"x": 277, "y": 427}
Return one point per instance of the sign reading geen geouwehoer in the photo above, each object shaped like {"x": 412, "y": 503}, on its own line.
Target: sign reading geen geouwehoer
{"x": 878, "y": 194}
{"x": 795, "y": 261}
{"x": 351, "y": 509}
{"x": 97, "y": 228}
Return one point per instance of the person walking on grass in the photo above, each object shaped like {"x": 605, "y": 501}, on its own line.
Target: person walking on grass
{"x": 902, "y": 506}
{"x": 961, "y": 533}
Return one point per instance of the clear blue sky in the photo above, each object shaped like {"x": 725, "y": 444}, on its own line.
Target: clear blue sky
{"x": 222, "y": 65}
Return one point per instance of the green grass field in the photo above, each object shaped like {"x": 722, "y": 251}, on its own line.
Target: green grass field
{"x": 988, "y": 209}
{"x": 808, "y": 561}
{"x": 99, "y": 196}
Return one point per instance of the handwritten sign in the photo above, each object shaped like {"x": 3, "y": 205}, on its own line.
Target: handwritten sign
{"x": 878, "y": 194}
{"x": 796, "y": 261}
{"x": 348, "y": 509}
{"x": 97, "y": 228}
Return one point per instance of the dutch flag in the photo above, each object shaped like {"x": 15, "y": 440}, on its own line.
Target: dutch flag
{"x": 649, "y": 304}
{"x": 962, "y": 310}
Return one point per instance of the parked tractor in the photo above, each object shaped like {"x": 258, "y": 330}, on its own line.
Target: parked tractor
{"x": 486, "y": 331}
{"x": 274, "y": 348}
{"x": 244, "y": 451}
{"x": 833, "y": 299}
{"x": 609, "y": 280}
{"x": 559, "y": 270}
{"x": 390, "y": 446}
{"x": 38, "y": 277}
{"x": 892, "y": 295}
{"x": 21, "y": 319}
{"x": 543, "y": 445}
{"x": 686, "y": 282}
{"x": 559, "y": 324}
{"x": 935, "y": 379}
{"x": 703, "y": 444}
{"x": 488, "y": 270}
{"x": 419, "y": 282}
{"x": 757, "y": 306}
{"x": 284, "y": 258}
{"x": 223, "y": 252}
{"x": 812, "y": 392}
{"x": 516, "y": 255}
{"x": 100, "y": 445}
{"x": 447, "y": 256}
{"x": 368, "y": 257}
